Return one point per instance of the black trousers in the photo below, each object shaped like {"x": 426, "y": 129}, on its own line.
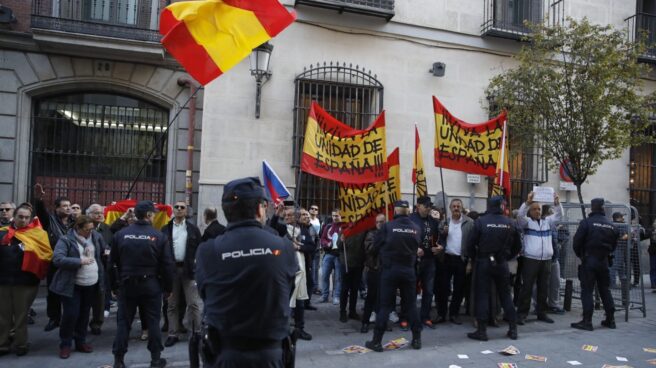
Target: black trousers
{"x": 371, "y": 303}
{"x": 147, "y": 295}
{"x": 309, "y": 271}
{"x": 594, "y": 271}
{"x": 53, "y": 301}
{"x": 231, "y": 358}
{"x": 75, "y": 315}
{"x": 299, "y": 315}
{"x": 393, "y": 278}
{"x": 452, "y": 269}
{"x": 534, "y": 272}
{"x": 426, "y": 276}
{"x": 350, "y": 286}
{"x": 498, "y": 273}
{"x": 635, "y": 263}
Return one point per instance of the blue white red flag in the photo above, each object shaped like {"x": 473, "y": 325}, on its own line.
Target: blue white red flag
{"x": 274, "y": 185}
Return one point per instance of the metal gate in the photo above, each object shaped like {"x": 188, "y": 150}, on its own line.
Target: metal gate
{"x": 626, "y": 263}
{"x": 90, "y": 146}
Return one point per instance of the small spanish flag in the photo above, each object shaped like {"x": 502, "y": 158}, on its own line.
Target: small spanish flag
{"x": 211, "y": 36}
{"x": 37, "y": 252}
{"x": 114, "y": 211}
{"x": 418, "y": 173}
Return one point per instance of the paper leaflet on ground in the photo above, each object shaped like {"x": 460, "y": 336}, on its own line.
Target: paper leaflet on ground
{"x": 487, "y": 352}
{"x": 616, "y": 366}
{"x": 355, "y": 349}
{"x": 510, "y": 350}
{"x": 574, "y": 362}
{"x": 506, "y": 365}
{"x": 621, "y": 359}
{"x": 590, "y": 348}
{"x": 652, "y": 361}
{"x": 536, "y": 358}
{"x": 463, "y": 356}
{"x": 649, "y": 350}
{"x": 396, "y": 344}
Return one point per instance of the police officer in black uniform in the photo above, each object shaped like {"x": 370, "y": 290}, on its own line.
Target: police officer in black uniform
{"x": 495, "y": 240}
{"x": 594, "y": 241}
{"x": 142, "y": 269}
{"x": 399, "y": 244}
{"x": 245, "y": 278}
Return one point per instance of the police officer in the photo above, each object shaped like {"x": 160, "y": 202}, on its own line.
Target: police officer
{"x": 399, "y": 244}
{"x": 245, "y": 278}
{"x": 495, "y": 240}
{"x": 594, "y": 241}
{"x": 144, "y": 268}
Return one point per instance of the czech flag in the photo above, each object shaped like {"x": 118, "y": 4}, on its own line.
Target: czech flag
{"x": 211, "y": 36}
{"x": 274, "y": 185}
{"x": 37, "y": 252}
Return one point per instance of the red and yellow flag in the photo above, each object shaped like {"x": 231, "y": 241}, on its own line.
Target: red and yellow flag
{"x": 361, "y": 203}
{"x": 211, "y": 36}
{"x": 37, "y": 252}
{"x": 114, "y": 211}
{"x": 418, "y": 173}
{"x": 335, "y": 151}
{"x": 472, "y": 148}
{"x": 502, "y": 180}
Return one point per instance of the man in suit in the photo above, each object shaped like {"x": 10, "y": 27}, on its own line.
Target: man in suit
{"x": 214, "y": 227}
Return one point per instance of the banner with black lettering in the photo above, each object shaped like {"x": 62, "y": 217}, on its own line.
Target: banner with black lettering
{"x": 418, "y": 173}
{"x": 335, "y": 151}
{"x": 361, "y": 203}
{"x": 462, "y": 146}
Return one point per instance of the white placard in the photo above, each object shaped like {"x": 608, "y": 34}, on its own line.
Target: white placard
{"x": 473, "y": 178}
{"x": 543, "y": 194}
{"x": 567, "y": 186}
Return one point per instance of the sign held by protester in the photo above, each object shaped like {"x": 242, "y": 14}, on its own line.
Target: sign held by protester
{"x": 543, "y": 194}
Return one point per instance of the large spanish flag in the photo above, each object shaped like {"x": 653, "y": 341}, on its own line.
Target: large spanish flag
{"x": 335, "y": 151}
{"x": 361, "y": 203}
{"x": 114, "y": 211}
{"x": 418, "y": 173}
{"x": 37, "y": 252}
{"x": 472, "y": 148}
{"x": 209, "y": 37}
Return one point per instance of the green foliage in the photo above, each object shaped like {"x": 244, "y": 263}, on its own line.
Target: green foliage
{"x": 576, "y": 90}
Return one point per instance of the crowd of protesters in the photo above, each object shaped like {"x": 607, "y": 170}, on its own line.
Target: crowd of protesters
{"x": 333, "y": 267}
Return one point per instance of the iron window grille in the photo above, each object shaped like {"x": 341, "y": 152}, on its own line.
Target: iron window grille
{"x": 352, "y": 95}
{"x": 642, "y": 27}
{"x": 376, "y": 8}
{"x": 511, "y": 18}
{"x": 642, "y": 178}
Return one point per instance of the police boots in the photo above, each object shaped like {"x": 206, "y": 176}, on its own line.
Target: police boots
{"x": 416, "y": 340}
{"x": 609, "y": 321}
{"x": 480, "y": 333}
{"x": 156, "y": 361}
{"x": 365, "y": 327}
{"x": 512, "y": 331}
{"x": 585, "y": 324}
{"x": 375, "y": 343}
{"x": 118, "y": 361}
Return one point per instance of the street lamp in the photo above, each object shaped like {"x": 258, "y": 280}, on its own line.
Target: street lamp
{"x": 259, "y": 59}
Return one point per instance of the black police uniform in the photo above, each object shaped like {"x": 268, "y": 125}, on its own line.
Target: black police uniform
{"x": 426, "y": 266}
{"x": 144, "y": 268}
{"x": 245, "y": 278}
{"x": 495, "y": 240}
{"x": 397, "y": 242}
{"x": 594, "y": 241}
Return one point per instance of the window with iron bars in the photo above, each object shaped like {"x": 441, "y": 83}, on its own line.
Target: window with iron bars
{"x": 527, "y": 165}
{"x": 642, "y": 179}
{"x": 349, "y": 93}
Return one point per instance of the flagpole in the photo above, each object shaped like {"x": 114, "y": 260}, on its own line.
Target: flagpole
{"x": 297, "y": 190}
{"x": 414, "y": 169}
{"x": 442, "y": 179}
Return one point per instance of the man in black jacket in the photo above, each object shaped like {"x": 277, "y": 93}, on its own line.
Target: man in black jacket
{"x": 184, "y": 238}
{"x": 494, "y": 241}
{"x": 214, "y": 227}
{"x": 594, "y": 240}
{"x": 143, "y": 268}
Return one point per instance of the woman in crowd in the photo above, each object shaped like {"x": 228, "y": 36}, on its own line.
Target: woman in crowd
{"x": 80, "y": 273}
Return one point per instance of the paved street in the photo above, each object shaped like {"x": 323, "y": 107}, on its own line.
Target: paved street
{"x": 441, "y": 347}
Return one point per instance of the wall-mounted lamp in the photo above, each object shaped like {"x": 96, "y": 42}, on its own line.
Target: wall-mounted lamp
{"x": 438, "y": 69}
{"x": 260, "y": 58}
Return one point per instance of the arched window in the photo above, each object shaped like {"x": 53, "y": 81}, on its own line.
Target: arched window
{"x": 353, "y": 96}
{"x": 90, "y": 147}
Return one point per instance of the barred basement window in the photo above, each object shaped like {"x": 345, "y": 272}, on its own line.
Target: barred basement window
{"x": 350, "y": 94}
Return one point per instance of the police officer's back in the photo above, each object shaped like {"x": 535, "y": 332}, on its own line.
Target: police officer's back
{"x": 245, "y": 278}
{"x": 142, "y": 268}
{"x": 495, "y": 239}
{"x": 398, "y": 242}
{"x": 594, "y": 241}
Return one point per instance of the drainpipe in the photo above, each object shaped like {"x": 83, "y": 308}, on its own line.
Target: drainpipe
{"x": 184, "y": 82}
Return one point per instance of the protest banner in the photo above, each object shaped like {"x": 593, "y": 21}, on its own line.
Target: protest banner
{"x": 462, "y": 146}
{"x": 361, "y": 203}
{"x": 335, "y": 151}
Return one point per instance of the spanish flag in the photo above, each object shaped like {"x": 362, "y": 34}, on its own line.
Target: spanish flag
{"x": 502, "y": 180}
{"x": 37, "y": 252}
{"x": 361, "y": 203}
{"x": 335, "y": 151}
{"x": 114, "y": 211}
{"x": 211, "y": 36}
{"x": 418, "y": 173}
